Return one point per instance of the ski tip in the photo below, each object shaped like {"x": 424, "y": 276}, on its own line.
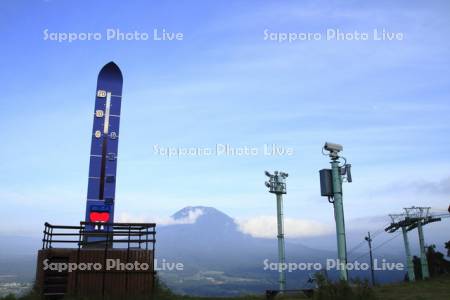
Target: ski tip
{"x": 111, "y": 69}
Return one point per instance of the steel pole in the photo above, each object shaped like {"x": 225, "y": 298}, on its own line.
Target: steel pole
{"x": 409, "y": 261}
{"x": 423, "y": 255}
{"x": 372, "y": 273}
{"x": 281, "y": 248}
{"x": 339, "y": 218}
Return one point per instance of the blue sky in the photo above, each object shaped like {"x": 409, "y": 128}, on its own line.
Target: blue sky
{"x": 385, "y": 101}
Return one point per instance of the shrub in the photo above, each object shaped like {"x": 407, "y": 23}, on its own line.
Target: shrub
{"x": 342, "y": 290}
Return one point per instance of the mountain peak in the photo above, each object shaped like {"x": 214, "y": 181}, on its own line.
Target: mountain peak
{"x": 196, "y": 211}
{"x": 203, "y": 215}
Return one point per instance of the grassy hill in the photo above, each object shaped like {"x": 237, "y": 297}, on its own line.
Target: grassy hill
{"x": 436, "y": 288}
{"x": 433, "y": 289}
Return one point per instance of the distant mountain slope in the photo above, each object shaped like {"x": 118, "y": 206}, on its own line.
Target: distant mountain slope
{"x": 216, "y": 235}
{"x": 219, "y": 259}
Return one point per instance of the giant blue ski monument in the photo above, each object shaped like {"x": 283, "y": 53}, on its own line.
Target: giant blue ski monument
{"x": 98, "y": 240}
{"x": 105, "y": 140}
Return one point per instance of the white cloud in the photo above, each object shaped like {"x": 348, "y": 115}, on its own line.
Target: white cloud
{"x": 266, "y": 227}
{"x": 189, "y": 218}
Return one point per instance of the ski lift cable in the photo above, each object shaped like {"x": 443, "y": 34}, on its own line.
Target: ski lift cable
{"x": 379, "y": 246}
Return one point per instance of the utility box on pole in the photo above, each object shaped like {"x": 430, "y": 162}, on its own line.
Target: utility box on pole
{"x": 326, "y": 183}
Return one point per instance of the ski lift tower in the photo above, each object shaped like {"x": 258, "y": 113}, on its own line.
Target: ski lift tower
{"x": 277, "y": 186}
{"x": 423, "y": 217}
{"x": 401, "y": 221}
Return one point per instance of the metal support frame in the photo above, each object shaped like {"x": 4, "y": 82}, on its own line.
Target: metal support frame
{"x": 131, "y": 234}
{"x": 409, "y": 261}
{"x": 421, "y": 215}
{"x": 280, "y": 236}
{"x": 277, "y": 186}
{"x": 414, "y": 217}
{"x": 423, "y": 254}
{"x": 339, "y": 218}
{"x": 404, "y": 222}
